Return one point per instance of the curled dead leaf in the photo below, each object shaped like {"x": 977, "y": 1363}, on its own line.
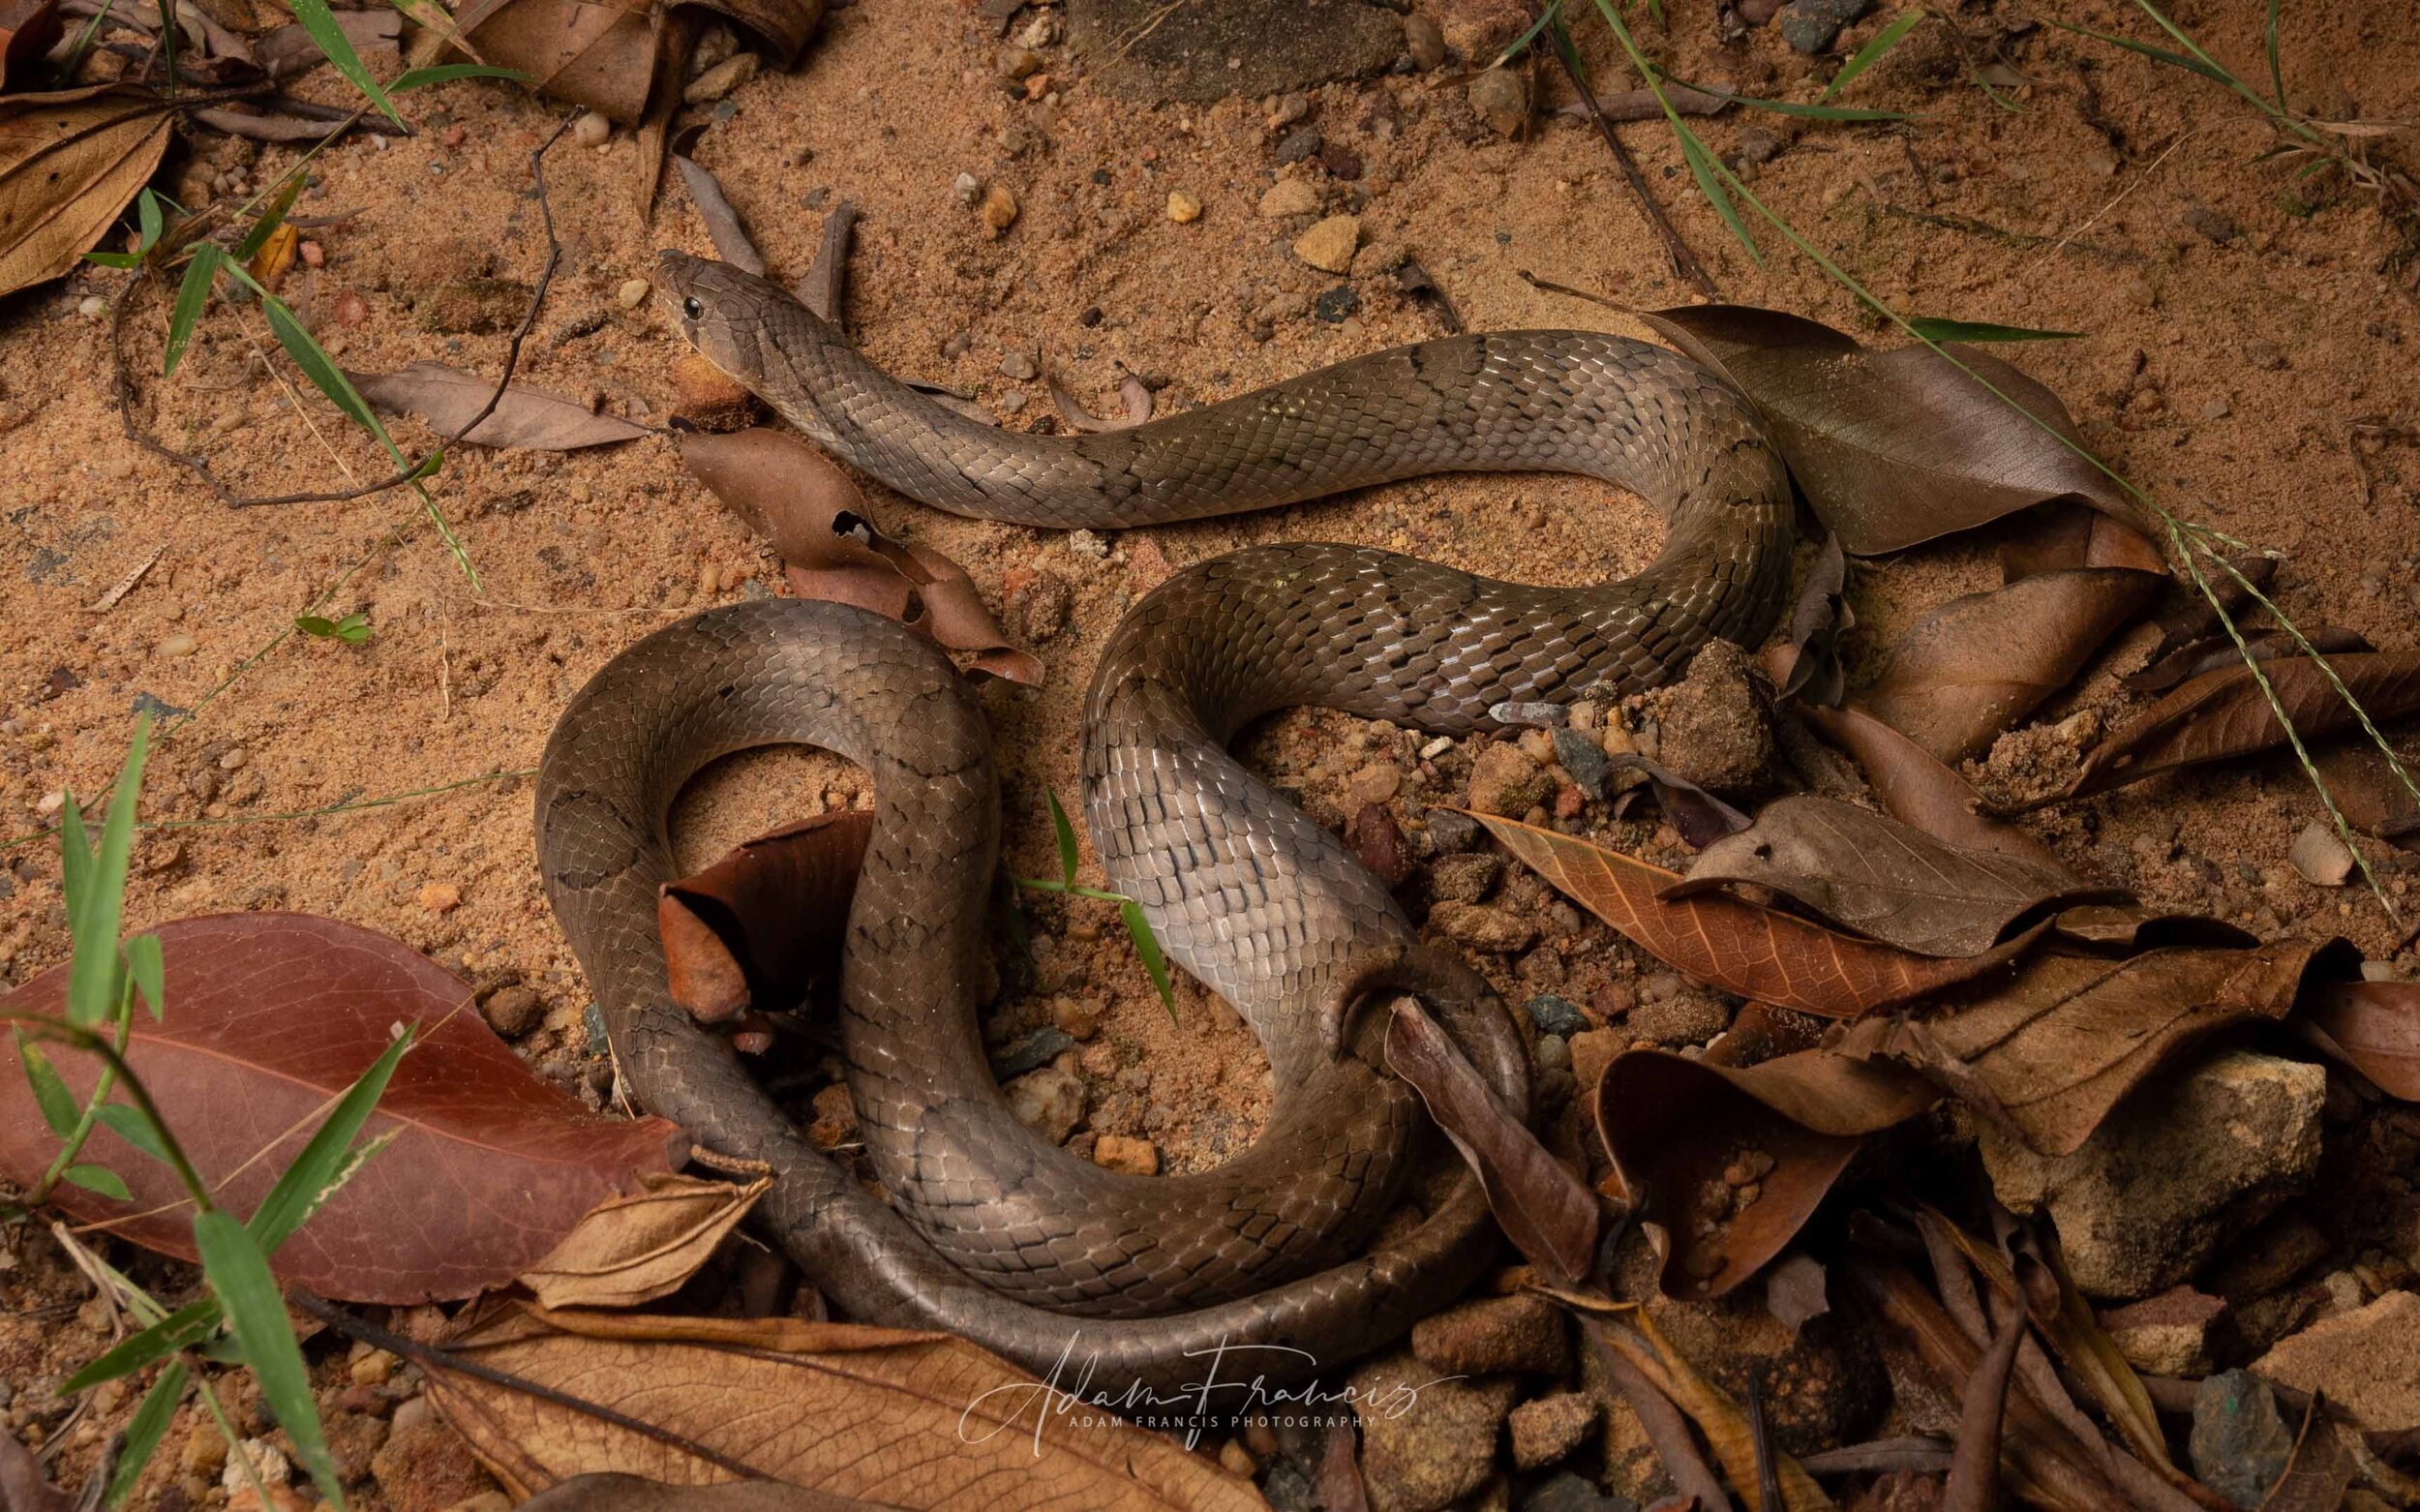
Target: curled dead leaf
{"x": 269, "y": 1017}
{"x": 803, "y": 502}
{"x": 1916, "y": 789}
{"x": 912, "y": 1420}
{"x": 636, "y": 1248}
{"x": 2372, "y": 1026}
{"x": 2050, "y": 1052}
{"x": 27, "y": 29}
{"x": 1818, "y": 620}
{"x": 1757, "y": 953}
{"x": 608, "y": 55}
{"x": 764, "y": 920}
{"x": 525, "y": 419}
{"x": 1717, "y": 1416}
{"x": 1969, "y": 669}
{"x": 1699, "y": 817}
{"x": 2225, "y": 713}
{"x": 1549, "y": 1214}
{"x": 1894, "y": 448}
{"x": 1881, "y": 878}
{"x": 2212, "y": 653}
{"x": 1679, "y": 1127}
{"x": 69, "y": 161}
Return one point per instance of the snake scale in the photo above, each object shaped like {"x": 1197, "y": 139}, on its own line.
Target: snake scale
{"x": 991, "y": 1231}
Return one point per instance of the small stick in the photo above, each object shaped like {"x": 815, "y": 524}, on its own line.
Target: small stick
{"x": 1683, "y": 261}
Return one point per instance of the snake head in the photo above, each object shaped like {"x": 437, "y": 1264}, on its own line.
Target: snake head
{"x": 720, "y": 309}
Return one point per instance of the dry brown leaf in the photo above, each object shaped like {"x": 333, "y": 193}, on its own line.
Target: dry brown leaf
{"x": 1757, "y": 953}
{"x": 68, "y": 163}
{"x": 525, "y": 418}
{"x": 630, "y": 1249}
{"x": 915, "y": 1420}
{"x": 1717, "y": 1416}
{"x": 1699, "y": 817}
{"x": 1810, "y": 668}
{"x": 1881, "y": 878}
{"x": 276, "y": 256}
{"x": 1917, "y": 790}
{"x": 2052, "y": 1051}
{"x": 1673, "y": 1123}
{"x": 2371, "y": 795}
{"x": 23, "y": 1488}
{"x": 1972, "y": 668}
{"x": 764, "y": 920}
{"x": 637, "y": 1494}
{"x": 2225, "y": 713}
{"x": 2372, "y": 1026}
{"x": 2212, "y": 653}
{"x": 1549, "y": 1214}
{"x": 1894, "y": 448}
{"x": 27, "y": 29}
{"x": 290, "y": 51}
{"x": 2320, "y": 1469}
{"x": 803, "y": 502}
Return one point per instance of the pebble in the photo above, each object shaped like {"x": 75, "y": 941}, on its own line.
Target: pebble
{"x": 591, "y": 130}
{"x": 633, "y": 292}
{"x": 2319, "y": 856}
{"x": 1077, "y": 1017}
{"x": 1051, "y": 1101}
{"x": 1121, "y": 1152}
{"x": 1087, "y": 544}
{"x": 2217, "y": 226}
{"x": 1550, "y": 1428}
{"x": 373, "y": 1369}
{"x": 1183, "y": 208}
{"x": 1584, "y": 757}
{"x": 722, "y": 79}
{"x": 513, "y": 1011}
{"x": 1287, "y": 110}
{"x": 999, "y": 209}
{"x": 1289, "y": 196}
{"x": 1299, "y": 144}
{"x": 1338, "y": 305}
{"x": 2217, "y": 409}
{"x": 1425, "y": 41}
{"x": 1504, "y": 779}
{"x": 1516, "y": 1333}
{"x": 1012, "y": 402}
{"x": 440, "y": 897}
{"x": 2240, "y": 1442}
{"x": 1036, "y": 1050}
{"x": 235, "y": 759}
{"x": 1330, "y": 244}
{"x": 1809, "y": 26}
{"x": 179, "y": 645}
{"x": 969, "y": 188}
{"x": 1557, "y": 1015}
{"x": 92, "y": 305}
{"x": 1019, "y": 365}
{"x": 1501, "y": 96}
{"x": 1483, "y": 928}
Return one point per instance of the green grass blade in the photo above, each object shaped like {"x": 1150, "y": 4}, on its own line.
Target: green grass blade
{"x": 323, "y": 1166}
{"x": 321, "y": 23}
{"x": 191, "y": 296}
{"x": 50, "y": 1092}
{"x": 143, "y": 1433}
{"x": 1693, "y": 151}
{"x": 143, "y": 963}
{"x": 1066, "y": 834}
{"x": 2277, "y": 68}
{"x": 315, "y": 364}
{"x": 1147, "y": 946}
{"x": 1873, "y": 51}
{"x": 448, "y": 73}
{"x": 2146, "y": 50}
{"x": 180, "y": 1329}
{"x": 1934, "y": 328}
{"x": 97, "y": 1178}
{"x": 1520, "y": 43}
{"x": 150, "y": 217}
{"x": 132, "y": 1125}
{"x": 239, "y": 1277}
{"x": 93, "y": 974}
{"x": 272, "y": 216}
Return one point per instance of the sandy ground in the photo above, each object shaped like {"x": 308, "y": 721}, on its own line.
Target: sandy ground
{"x": 2225, "y": 376}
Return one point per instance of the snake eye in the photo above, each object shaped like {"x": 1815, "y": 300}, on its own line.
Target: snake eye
{"x": 693, "y": 309}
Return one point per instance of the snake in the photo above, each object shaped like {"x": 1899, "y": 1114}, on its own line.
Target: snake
{"x": 1344, "y": 1223}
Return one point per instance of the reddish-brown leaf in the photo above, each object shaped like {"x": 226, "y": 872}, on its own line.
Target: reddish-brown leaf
{"x": 800, "y": 501}
{"x": 1674, "y": 1125}
{"x": 1972, "y": 668}
{"x": 2374, "y": 799}
{"x": 1917, "y": 790}
{"x": 23, "y": 1488}
{"x": 2217, "y": 653}
{"x": 1757, "y": 953}
{"x": 2225, "y": 713}
{"x": 1549, "y": 1214}
{"x": 269, "y": 1017}
{"x": 27, "y": 29}
{"x": 1817, "y": 622}
{"x": 2372, "y": 1026}
{"x": 1894, "y": 448}
{"x": 764, "y": 920}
